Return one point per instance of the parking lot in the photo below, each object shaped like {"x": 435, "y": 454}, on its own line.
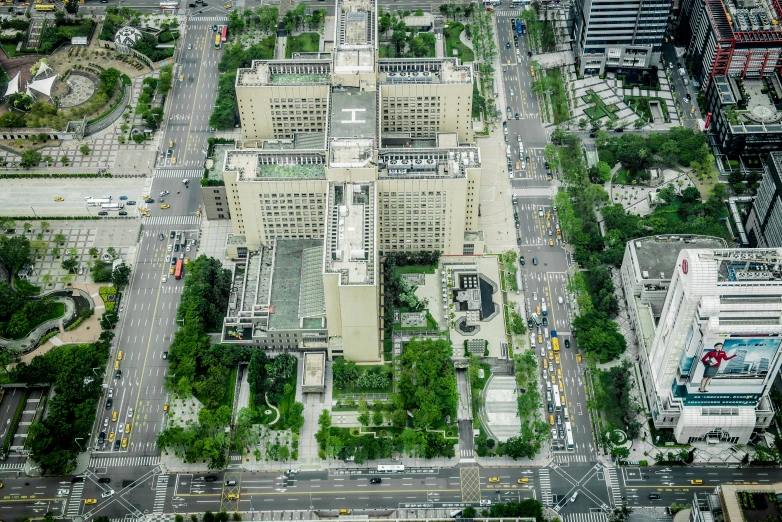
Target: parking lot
{"x": 23, "y": 197}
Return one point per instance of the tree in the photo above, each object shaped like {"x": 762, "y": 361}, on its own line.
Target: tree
{"x": 59, "y": 238}
{"x": 469, "y": 512}
{"x": 70, "y": 264}
{"x": 363, "y": 419}
{"x": 597, "y": 125}
{"x": 30, "y": 158}
{"x": 14, "y": 252}
{"x": 120, "y": 276}
{"x": 582, "y": 123}
{"x": 377, "y": 418}
{"x": 65, "y": 160}
{"x": 640, "y": 122}
{"x": 85, "y": 149}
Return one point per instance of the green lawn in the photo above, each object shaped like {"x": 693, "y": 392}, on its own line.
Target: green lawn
{"x": 431, "y": 324}
{"x": 57, "y": 310}
{"x": 286, "y": 402}
{"x": 600, "y": 109}
{"x": 452, "y": 42}
{"x": 558, "y": 97}
{"x": 10, "y": 49}
{"x": 228, "y": 397}
{"x": 623, "y": 177}
{"x": 25, "y": 286}
{"x": 387, "y": 51}
{"x": 415, "y": 269}
{"x": 303, "y": 43}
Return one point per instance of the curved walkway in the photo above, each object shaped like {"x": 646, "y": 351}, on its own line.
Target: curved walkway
{"x": 114, "y": 116}
{"x": 272, "y": 423}
{"x": 501, "y": 407}
{"x": 30, "y": 341}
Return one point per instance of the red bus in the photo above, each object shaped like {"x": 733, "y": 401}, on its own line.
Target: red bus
{"x": 225, "y": 33}
{"x": 178, "y": 271}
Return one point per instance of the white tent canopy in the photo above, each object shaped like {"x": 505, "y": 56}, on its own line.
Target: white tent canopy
{"x": 42, "y": 86}
{"x": 13, "y": 85}
{"x": 43, "y": 69}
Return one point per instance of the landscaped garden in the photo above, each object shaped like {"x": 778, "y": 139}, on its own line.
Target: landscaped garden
{"x": 302, "y": 43}
{"x": 454, "y": 45}
{"x": 640, "y": 105}
{"x": 599, "y": 109}
{"x": 759, "y": 506}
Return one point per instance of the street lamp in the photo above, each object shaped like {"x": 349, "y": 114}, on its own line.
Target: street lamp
{"x": 34, "y": 214}
{"x": 76, "y": 440}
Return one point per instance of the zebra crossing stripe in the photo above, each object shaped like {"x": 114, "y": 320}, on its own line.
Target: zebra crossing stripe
{"x": 179, "y": 173}
{"x": 613, "y": 483}
{"x": 160, "y": 493}
{"x": 206, "y": 19}
{"x": 75, "y": 499}
{"x": 120, "y": 462}
{"x": 545, "y": 487}
{"x": 172, "y": 220}
{"x": 585, "y": 517}
{"x": 533, "y": 192}
{"x": 12, "y": 465}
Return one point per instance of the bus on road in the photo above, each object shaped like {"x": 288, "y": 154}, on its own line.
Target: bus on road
{"x": 217, "y": 41}
{"x": 557, "y": 401}
{"x": 224, "y": 34}
{"x": 569, "y": 435}
{"x": 94, "y": 202}
{"x": 179, "y": 269}
{"x": 112, "y": 206}
{"x": 554, "y": 340}
{"x": 44, "y": 7}
{"x": 395, "y": 468}
{"x": 169, "y": 4}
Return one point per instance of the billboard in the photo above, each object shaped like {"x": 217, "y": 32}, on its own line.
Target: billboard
{"x": 730, "y": 370}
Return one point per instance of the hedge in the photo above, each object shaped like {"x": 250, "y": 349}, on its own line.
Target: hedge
{"x": 45, "y": 175}
{"x": 49, "y": 218}
{"x": 212, "y": 182}
{"x": 76, "y": 323}
{"x": 47, "y": 337}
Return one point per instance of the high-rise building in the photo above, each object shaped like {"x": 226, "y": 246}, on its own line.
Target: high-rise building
{"x": 362, "y": 156}
{"x": 764, "y": 223}
{"x": 737, "y": 38}
{"x": 611, "y": 34}
{"x": 716, "y": 349}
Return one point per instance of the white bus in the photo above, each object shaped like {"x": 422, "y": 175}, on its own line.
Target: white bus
{"x": 569, "y": 435}
{"x": 557, "y": 401}
{"x": 491, "y": 3}
{"x": 169, "y": 4}
{"x": 94, "y": 202}
{"x": 112, "y": 206}
{"x": 394, "y": 468}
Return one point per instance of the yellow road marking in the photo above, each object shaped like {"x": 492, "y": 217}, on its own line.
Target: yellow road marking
{"x": 195, "y": 100}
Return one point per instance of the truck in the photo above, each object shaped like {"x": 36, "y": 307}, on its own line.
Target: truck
{"x": 554, "y": 340}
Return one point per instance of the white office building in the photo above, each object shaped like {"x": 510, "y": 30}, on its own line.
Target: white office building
{"x": 716, "y": 348}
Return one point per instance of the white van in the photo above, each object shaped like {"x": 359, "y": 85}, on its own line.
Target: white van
{"x": 185, "y": 181}
{"x": 574, "y": 497}
{"x": 545, "y": 333}
{"x": 564, "y": 411}
{"x": 548, "y": 387}
{"x": 548, "y": 396}
{"x": 560, "y": 300}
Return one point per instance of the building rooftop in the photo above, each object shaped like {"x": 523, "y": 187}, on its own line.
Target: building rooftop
{"x": 355, "y": 22}
{"x": 219, "y": 153}
{"x": 752, "y": 110}
{"x": 263, "y": 164}
{"x": 427, "y": 163}
{"x": 353, "y": 114}
{"x": 351, "y": 153}
{"x": 285, "y": 72}
{"x": 423, "y": 70}
{"x": 743, "y": 265}
{"x": 655, "y": 256}
{"x": 350, "y": 240}
{"x": 314, "y": 366}
{"x": 296, "y": 276}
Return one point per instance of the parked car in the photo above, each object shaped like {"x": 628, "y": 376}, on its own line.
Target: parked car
{"x": 103, "y": 213}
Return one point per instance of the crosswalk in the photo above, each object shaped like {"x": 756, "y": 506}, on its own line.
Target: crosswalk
{"x": 160, "y": 493}
{"x": 12, "y": 465}
{"x": 172, "y": 220}
{"x": 533, "y": 192}
{"x": 74, "y": 500}
{"x": 597, "y": 516}
{"x": 466, "y": 453}
{"x": 123, "y": 462}
{"x": 179, "y": 173}
{"x": 510, "y": 13}
{"x": 545, "y": 487}
{"x": 613, "y": 484}
{"x": 565, "y": 458}
{"x": 207, "y": 19}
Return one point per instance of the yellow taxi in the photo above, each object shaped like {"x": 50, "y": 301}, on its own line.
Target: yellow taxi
{"x": 553, "y": 379}
{"x": 145, "y": 196}
{"x": 548, "y": 214}
{"x": 548, "y": 223}
{"x": 114, "y": 416}
{"x": 58, "y": 199}
{"x": 90, "y": 501}
{"x": 119, "y": 355}
{"x": 173, "y": 160}
{"x": 559, "y": 373}
{"x": 165, "y": 407}
{"x": 171, "y": 271}
{"x": 165, "y": 206}
{"x": 524, "y": 480}
{"x": 116, "y": 365}
{"x": 127, "y": 428}
{"x": 696, "y": 482}
{"x": 540, "y": 338}
{"x": 550, "y": 242}
{"x": 227, "y": 6}
{"x": 578, "y": 358}
{"x": 124, "y": 442}
{"x": 551, "y": 419}
{"x": 235, "y": 496}
{"x": 198, "y": 212}
{"x": 556, "y": 358}
{"x": 545, "y": 363}
{"x": 341, "y": 511}
{"x": 170, "y": 143}
{"x": 181, "y": 77}
{"x": 550, "y": 355}
{"x": 111, "y": 437}
{"x": 532, "y": 71}
{"x": 494, "y": 479}
{"x": 187, "y": 260}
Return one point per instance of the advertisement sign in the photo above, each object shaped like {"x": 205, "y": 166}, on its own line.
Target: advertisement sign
{"x": 730, "y": 370}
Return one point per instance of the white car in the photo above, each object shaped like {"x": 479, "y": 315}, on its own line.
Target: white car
{"x": 534, "y": 296}
{"x": 168, "y": 258}
{"x": 187, "y": 248}
{"x": 545, "y": 375}
{"x": 130, "y": 413}
{"x": 165, "y": 278}
{"x": 170, "y": 247}
{"x": 107, "y": 494}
